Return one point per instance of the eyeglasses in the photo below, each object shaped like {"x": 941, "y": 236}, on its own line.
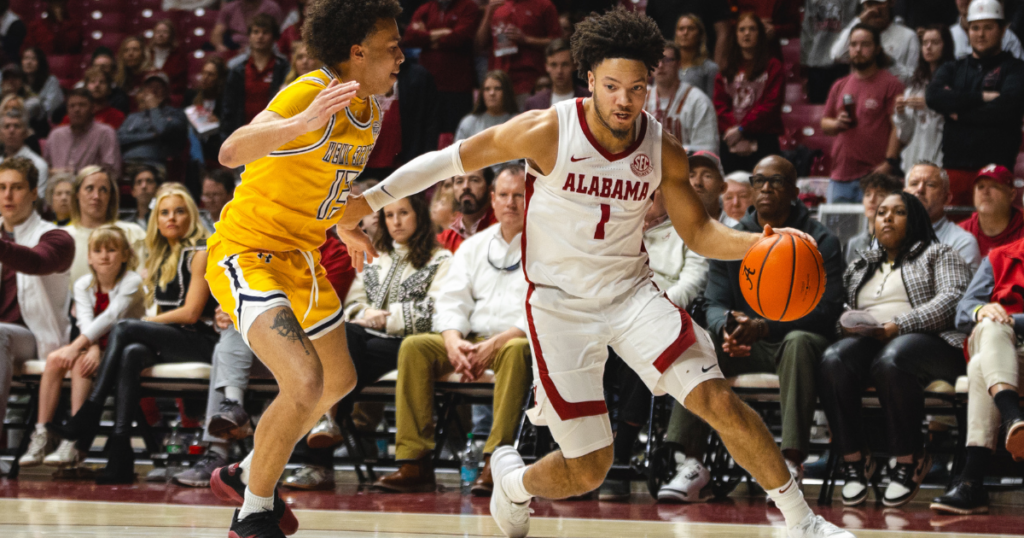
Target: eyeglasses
{"x": 775, "y": 182}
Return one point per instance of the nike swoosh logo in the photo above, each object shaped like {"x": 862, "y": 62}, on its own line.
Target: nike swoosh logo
{"x": 708, "y": 369}
{"x": 785, "y": 489}
{"x": 576, "y": 160}
{"x": 386, "y": 191}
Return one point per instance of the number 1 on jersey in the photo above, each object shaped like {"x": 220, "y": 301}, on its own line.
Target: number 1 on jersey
{"x": 606, "y": 213}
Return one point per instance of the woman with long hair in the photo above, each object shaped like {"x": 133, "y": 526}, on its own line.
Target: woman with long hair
{"x": 919, "y": 128}
{"x": 206, "y": 96}
{"x": 695, "y": 65}
{"x": 131, "y": 66}
{"x": 180, "y": 332}
{"x": 748, "y": 97}
{"x": 302, "y": 62}
{"x": 38, "y": 79}
{"x": 163, "y": 54}
{"x": 495, "y": 105}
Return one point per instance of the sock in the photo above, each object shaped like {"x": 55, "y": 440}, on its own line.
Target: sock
{"x": 625, "y": 438}
{"x": 976, "y": 464}
{"x": 254, "y": 503}
{"x": 220, "y": 449}
{"x": 790, "y": 500}
{"x": 40, "y": 428}
{"x": 514, "y": 488}
{"x": 234, "y": 393}
{"x": 244, "y": 466}
{"x": 1008, "y": 402}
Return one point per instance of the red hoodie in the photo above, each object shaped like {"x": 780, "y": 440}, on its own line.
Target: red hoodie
{"x": 1013, "y": 232}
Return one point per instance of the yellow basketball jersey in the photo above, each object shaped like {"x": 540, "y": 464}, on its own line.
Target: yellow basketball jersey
{"x": 288, "y": 199}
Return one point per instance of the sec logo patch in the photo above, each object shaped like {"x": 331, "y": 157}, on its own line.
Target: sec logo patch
{"x": 641, "y": 165}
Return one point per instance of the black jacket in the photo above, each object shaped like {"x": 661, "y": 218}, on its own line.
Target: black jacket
{"x": 417, "y": 104}
{"x": 234, "y": 91}
{"x": 723, "y": 292}
{"x": 983, "y": 133}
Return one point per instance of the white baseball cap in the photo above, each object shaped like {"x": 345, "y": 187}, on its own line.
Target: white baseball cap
{"x": 985, "y": 10}
{"x": 875, "y": 1}
{"x": 740, "y": 176}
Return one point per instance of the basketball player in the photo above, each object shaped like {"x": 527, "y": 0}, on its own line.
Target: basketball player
{"x": 592, "y": 166}
{"x": 301, "y": 156}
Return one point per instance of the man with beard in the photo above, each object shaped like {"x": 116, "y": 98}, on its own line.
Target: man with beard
{"x": 472, "y": 192}
{"x": 899, "y": 42}
{"x": 862, "y": 141}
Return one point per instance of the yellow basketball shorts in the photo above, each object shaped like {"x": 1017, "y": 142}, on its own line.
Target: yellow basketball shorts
{"x": 248, "y": 282}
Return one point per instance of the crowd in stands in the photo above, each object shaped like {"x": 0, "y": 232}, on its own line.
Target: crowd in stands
{"x": 920, "y": 103}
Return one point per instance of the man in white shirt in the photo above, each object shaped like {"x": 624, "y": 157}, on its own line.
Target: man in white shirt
{"x": 482, "y": 323}
{"x": 13, "y": 133}
{"x": 708, "y": 180}
{"x": 962, "y": 44}
{"x": 900, "y": 43}
{"x": 931, "y": 185}
{"x": 680, "y": 272}
{"x": 682, "y": 109}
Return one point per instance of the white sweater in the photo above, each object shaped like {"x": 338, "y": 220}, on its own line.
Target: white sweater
{"x": 920, "y": 131}
{"x": 127, "y": 301}
{"x": 680, "y": 272}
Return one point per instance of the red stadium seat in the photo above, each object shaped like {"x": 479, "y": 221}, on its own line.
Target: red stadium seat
{"x": 795, "y": 93}
{"x": 196, "y": 61}
{"x": 791, "y": 58}
{"x": 796, "y": 117}
{"x": 105, "y": 21}
{"x": 97, "y": 38}
{"x": 109, "y": 6}
{"x": 154, "y": 5}
{"x": 66, "y": 66}
{"x": 27, "y": 9}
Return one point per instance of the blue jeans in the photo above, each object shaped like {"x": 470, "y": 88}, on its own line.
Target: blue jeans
{"x": 844, "y": 192}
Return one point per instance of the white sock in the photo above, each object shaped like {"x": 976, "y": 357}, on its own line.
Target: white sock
{"x": 220, "y": 449}
{"x": 234, "y": 393}
{"x": 244, "y": 466}
{"x": 514, "y": 488}
{"x": 40, "y": 428}
{"x": 254, "y": 503}
{"x": 790, "y": 500}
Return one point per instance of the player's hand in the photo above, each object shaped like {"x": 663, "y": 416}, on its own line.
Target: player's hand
{"x": 768, "y": 231}
{"x": 996, "y": 313}
{"x": 360, "y": 248}
{"x": 327, "y": 103}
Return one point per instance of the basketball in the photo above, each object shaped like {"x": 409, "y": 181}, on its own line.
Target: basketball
{"x": 783, "y": 277}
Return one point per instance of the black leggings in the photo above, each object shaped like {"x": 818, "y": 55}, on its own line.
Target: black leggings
{"x": 136, "y": 345}
{"x": 899, "y": 371}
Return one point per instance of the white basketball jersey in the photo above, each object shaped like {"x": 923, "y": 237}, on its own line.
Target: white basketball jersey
{"x": 584, "y": 220}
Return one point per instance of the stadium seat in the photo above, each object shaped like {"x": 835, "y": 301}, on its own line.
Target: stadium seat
{"x": 795, "y": 93}
{"x": 110, "y": 6}
{"x": 791, "y": 58}
{"x": 66, "y": 66}
{"x": 97, "y": 38}
{"x": 196, "y": 60}
{"x": 105, "y": 21}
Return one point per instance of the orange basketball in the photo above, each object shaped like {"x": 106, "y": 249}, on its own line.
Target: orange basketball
{"x": 783, "y": 277}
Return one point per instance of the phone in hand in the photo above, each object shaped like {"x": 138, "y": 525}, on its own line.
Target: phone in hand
{"x": 730, "y": 323}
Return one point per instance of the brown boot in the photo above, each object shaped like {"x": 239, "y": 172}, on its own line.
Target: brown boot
{"x": 412, "y": 477}
{"x": 484, "y": 484}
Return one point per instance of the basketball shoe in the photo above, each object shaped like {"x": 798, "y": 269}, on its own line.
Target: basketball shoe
{"x": 226, "y": 483}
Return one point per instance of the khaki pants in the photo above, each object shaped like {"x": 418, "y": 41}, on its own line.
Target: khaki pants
{"x": 995, "y": 359}
{"x": 422, "y": 360}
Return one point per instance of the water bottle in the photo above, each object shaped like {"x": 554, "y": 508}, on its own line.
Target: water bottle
{"x": 382, "y": 441}
{"x": 470, "y": 464}
{"x": 174, "y": 446}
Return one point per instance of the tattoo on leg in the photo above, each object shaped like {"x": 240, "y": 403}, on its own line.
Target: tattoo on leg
{"x": 288, "y": 327}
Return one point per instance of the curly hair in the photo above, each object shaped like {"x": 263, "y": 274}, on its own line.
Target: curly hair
{"x": 617, "y": 34}
{"x": 332, "y": 27}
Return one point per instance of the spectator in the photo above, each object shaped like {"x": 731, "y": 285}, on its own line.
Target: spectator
{"x": 876, "y": 186}
{"x": 163, "y": 54}
{"x": 781, "y": 18}
{"x": 12, "y": 32}
{"x": 218, "y": 190}
{"x": 302, "y": 62}
{"x": 94, "y": 202}
{"x": 681, "y": 272}
{"x": 34, "y": 280}
{"x": 14, "y": 83}
{"x": 990, "y": 312}
{"x": 145, "y": 179}
{"x": 99, "y": 84}
{"x": 253, "y": 77}
{"x": 930, "y": 184}
{"x": 959, "y": 30}
{"x": 561, "y": 69}
{"x": 899, "y": 42}
{"x": 59, "y": 191}
{"x": 695, "y": 65}
{"x": 158, "y": 131}
{"x": 996, "y": 222}
{"x": 112, "y": 291}
{"x": 824, "y": 21}
{"x": 103, "y": 59}
{"x": 738, "y": 196}
{"x": 14, "y": 103}
{"x": 40, "y": 82}
{"x": 291, "y": 28}
{"x": 495, "y": 105}
{"x": 918, "y": 128}
{"x": 748, "y": 97}
{"x": 131, "y": 68}
{"x": 443, "y": 207}
{"x": 178, "y": 333}
{"x": 863, "y": 142}
{"x": 914, "y": 343}
{"x": 208, "y": 99}
{"x": 83, "y": 142}
{"x": 982, "y": 98}
{"x": 471, "y": 192}
{"x": 517, "y": 32}
{"x": 708, "y": 181}
{"x": 13, "y": 132}
{"x": 445, "y": 32}
{"x": 233, "y": 28}
{"x": 411, "y": 130}
{"x": 714, "y": 14}
{"x": 788, "y": 349}
{"x": 55, "y": 33}
{"x": 683, "y": 110}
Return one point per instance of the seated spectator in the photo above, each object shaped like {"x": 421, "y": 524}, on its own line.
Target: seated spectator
{"x": 145, "y": 178}
{"x": 910, "y": 285}
{"x": 103, "y": 59}
{"x": 781, "y": 18}
{"x": 156, "y": 133}
{"x": 14, "y": 83}
{"x": 56, "y": 33}
{"x": 254, "y": 77}
{"x": 180, "y": 332}
{"x": 131, "y": 68}
{"x": 443, "y": 207}
{"x": 82, "y": 142}
{"x": 218, "y": 190}
{"x": 996, "y": 222}
{"x": 445, "y": 32}
{"x": 495, "y": 105}
{"x": 94, "y": 202}
{"x": 59, "y": 191}
{"x": 34, "y": 282}
{"x": 683, "y": 110}
{"x": 516, "y": 33}
{"x": 40, "y": 82}
{"x": 824, "y": 21}
{"x": 232, "y": 30}
{"x": 113, "y": 291}
{"x": 919, "y": 128}
{"x": 13, "y": 133}
{"x": 382, "y": 308}
{"x": 560, "y": 67}
{"x": 695, "y": 65}
{"x": 788, "y": 349}
{"x": 931, "y": 186}
{"x": 899, "y": 42}
{"x": 738, "y": 196}
{"x": 679, "y": 271}
{"x": 302, "y": 62}
{"x": 982, "y": 99}
{"x": 482, "y": 327}
{"x": 708, "y": 182}
{"x": 863, "y": 140}
{"x": 990, "y": 312}
{"x": 959, "y": 30}
{"x": 748, "y": 97}
{"x": 17, "y": 104}
{"x": 471, "y": 192}
{"x": 163, "y": 54}
{"x": 99, "y": 83}
{"x": 291, "y": 27}
{"x": 208, "y": 99}
{"x": 715, "y": 14}
{"x": 875, "y": 186}
{"x": 12, "y": 32}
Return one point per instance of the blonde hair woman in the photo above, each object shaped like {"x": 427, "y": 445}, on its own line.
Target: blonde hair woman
{"x": 302, "y": 62}
{"x": 695, "y": 67}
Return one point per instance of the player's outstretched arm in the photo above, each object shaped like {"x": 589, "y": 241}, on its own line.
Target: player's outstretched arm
{"x": 269, "y": 130}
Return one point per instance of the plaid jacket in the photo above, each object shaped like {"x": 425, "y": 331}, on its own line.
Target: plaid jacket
{"x": 935, "y": 277}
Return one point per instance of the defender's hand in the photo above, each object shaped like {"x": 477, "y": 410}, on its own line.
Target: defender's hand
{"x": 360, "y": 248}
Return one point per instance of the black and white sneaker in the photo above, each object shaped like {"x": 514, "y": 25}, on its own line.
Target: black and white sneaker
{"x": 906, "y": 481}
{"x": 857, "y": 475}
{"x": 230, "y": 422}
{"x": 226, "y": 483}
{"x": 258, "y": 525}
{"x": 964, "y": 498}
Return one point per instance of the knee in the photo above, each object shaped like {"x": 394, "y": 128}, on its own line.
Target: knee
{"x": 588, "y": 472}
{"x": 410, "y": 354}
{"x": 831, "y": 366}
{"x": 800, "y": 350}
{"x": 305, "y": 388}
{"x": 888, "y": 363}
{"x": 715, "y": 403}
